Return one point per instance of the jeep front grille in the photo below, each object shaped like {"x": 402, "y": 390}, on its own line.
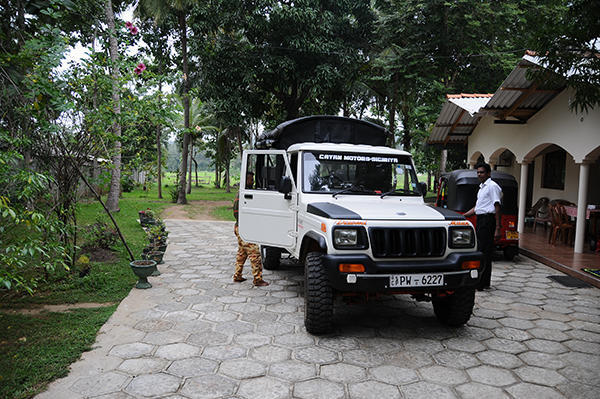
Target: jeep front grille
{"x": 407, "y": 242}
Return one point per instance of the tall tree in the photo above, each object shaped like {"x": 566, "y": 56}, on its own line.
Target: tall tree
{"x": 570, "y": 46}
{"x": 112, "y": 202}
{"x": 282, "y": 59}
{"x": 168, "y": 12}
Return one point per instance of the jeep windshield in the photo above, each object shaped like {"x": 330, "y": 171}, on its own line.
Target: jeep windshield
{"x": 358, "y": 174}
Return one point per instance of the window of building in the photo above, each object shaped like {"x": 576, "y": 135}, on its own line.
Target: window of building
{"x": 553, "y": 171}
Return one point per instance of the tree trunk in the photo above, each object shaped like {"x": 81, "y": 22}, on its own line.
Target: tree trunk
{"x": 189, "y": 181}
{"x": 112, "y": 202}
{"x": 217, "y": 163}
{"x": 181, "y": 198}
{"x": 428, "y": 180}
{"x": 159, "y": 165}
{"x": 196, "y": 170}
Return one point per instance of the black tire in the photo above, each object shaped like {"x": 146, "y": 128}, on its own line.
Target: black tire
{"x": 456, "y": 309}
{"x": 318, "y": 296}
{"x": 271, "y": 257}
{"x": 510, "y": 252}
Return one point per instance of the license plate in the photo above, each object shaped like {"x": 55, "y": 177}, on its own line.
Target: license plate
{"x": 512, "y": 235}
{"x": 416, "y": 280}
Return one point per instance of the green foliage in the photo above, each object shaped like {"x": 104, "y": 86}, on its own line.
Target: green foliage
{"x": 28, "y": 244}
{"x": 100, "y": 235}
{"x": 38, "y": 349}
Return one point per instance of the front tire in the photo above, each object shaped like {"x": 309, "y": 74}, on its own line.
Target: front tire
{"x": 271, "y": 257}
{"x": 318, "y": 296}
{"x": 455, "y": 310}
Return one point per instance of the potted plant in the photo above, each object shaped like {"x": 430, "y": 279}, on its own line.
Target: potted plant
{"x": 143, "y": 269}
{"x": 157, "y": 236}
{"x": 147, "y": 217}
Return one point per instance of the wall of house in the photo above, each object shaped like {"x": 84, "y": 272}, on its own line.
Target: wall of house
{"x": 571, "y": 182}
{"x": 554, "y": 124}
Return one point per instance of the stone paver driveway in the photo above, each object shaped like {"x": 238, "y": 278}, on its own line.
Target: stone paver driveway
{"x": 196, "y": 334}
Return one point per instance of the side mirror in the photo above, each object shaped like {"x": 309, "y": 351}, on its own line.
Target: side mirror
{"x": 285, "y": 187}
{"x": 423, "y": 187}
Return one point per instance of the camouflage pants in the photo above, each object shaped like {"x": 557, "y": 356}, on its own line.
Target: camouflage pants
{"x": 247, "y": 250}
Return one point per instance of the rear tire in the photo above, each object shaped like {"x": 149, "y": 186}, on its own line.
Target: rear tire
{"x": 318, "y": 296}
{"x": 456, "y": 309}
{"x": 271, "y": 257}
{"x": 510, "y": 252}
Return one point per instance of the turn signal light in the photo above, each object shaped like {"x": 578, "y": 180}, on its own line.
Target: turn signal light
{"x": 351, "y": 268}
{"x": 471, "y": 264}
{"x": 323, "y": 227}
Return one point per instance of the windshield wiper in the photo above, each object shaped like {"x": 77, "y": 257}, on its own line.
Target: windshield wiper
{"x": 359, "y": 188}
{"x": 400, "y": 190}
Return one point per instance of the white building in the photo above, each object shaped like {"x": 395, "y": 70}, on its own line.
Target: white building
{"x": 530, "y": 131}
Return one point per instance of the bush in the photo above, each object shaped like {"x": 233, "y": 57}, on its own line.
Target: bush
{"x": 127, "y": 184}
{"x": 100, "y": 235}
{"x": 174, "y": 192}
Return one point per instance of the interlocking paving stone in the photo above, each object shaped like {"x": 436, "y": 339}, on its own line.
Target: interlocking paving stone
{"x": 264, "y": 388}
{"x": 526, "y": 390}
{"x": 318, "y": 389}
{"x": 394, "y": 375}
{"x": 373, "y": 389}
{"x": 177, "y": 351}
{"x": 196, "y": 334}
{"x": 422, "y": 389}
{"x": 443, "y": 375}
{"x": 270, "y": 354}
{"x": 143, "y": 365}
{"x": 242, "y": 368}
{"x": 129, "y": 351}
{"x": 153, "y": 385}
{"x": 192, "y": 367}
{"x": 99, "y": 384}
{"x": 491, "y": 375}
{"x": 342, "y": 372}
{"x": 475, "y": 390}
{"x": 208, "y": 386}
{"x": 293, "y": 370}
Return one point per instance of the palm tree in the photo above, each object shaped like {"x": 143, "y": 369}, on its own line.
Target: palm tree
{"x": 160, "y": 10}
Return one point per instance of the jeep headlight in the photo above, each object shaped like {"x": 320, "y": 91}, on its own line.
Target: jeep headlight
{"x": 462, "y": 237}
{"x": 345, "y": 237}
{"x": 350, "y": 238}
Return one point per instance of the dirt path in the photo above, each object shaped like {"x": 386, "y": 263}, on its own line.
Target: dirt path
{"x": 37, "y": 309}
{"x": 194, "y": 210}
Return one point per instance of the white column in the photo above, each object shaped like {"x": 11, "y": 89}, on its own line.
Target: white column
{"x": 584, "y": 172}
{"x": 522, "y": 197}
{"x": 471, "y": 165}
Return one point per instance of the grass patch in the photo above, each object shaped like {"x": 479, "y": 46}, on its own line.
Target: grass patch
{"x": 35, "y": 350}
{"x": 224, "y": 213}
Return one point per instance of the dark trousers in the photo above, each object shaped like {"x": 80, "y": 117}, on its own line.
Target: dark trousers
{"x": 486, "y": 228}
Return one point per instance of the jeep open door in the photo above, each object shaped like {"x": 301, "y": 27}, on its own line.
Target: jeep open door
{"x": 267, "y": 214}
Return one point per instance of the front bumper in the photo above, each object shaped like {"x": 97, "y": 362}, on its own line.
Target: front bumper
{"x": 376, "y": 277}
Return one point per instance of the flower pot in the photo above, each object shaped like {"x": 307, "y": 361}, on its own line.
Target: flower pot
{"x": 143, "y": 269}
{"x": 161, "y": 248}
{"x": 156, "y": 256}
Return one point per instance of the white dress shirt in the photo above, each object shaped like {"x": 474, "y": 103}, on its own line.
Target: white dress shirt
{"x": 489, "y": 193}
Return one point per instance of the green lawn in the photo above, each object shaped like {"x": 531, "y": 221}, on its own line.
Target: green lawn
{"x": 36, "y": 349}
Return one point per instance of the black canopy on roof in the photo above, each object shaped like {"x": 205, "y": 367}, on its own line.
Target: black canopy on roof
{"x": 323, "y": 129}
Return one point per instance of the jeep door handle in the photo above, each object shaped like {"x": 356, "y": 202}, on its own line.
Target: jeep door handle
{"x": 248, "y": 196}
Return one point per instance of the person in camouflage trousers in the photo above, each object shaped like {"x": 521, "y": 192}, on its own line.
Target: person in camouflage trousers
{"x": 245, "y": 249}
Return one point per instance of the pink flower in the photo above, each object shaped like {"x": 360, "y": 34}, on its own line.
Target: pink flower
{"x": 134, "y": 30}
{"x": 129, "y": 25}
{"x": 141, "y": 66}
{"x": 137, "y": 70}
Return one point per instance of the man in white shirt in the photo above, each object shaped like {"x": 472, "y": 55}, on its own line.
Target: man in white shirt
{"x": 487, "y": 210}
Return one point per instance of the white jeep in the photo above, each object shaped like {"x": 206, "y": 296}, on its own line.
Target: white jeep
{"x": 354, "y": 215}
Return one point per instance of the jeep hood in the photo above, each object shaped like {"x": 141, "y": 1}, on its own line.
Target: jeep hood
{"x": 380, "y": 209}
